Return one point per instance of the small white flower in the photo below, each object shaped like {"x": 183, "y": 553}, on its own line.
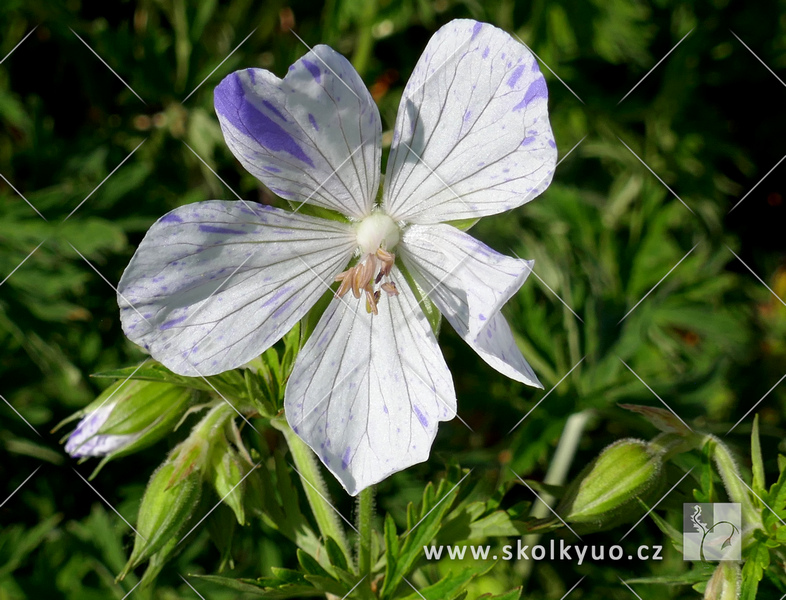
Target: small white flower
{"x": 215, "y": 283}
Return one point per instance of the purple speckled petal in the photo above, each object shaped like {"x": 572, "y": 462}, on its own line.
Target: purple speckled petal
{"x": 78, "y": 443}
{"x": 475, "y": 95}
{"x": 214, "y": 284}
{"x": 314, "y": 136}
{"x": 367, "y": 392}
{"x": 469, "y": 283}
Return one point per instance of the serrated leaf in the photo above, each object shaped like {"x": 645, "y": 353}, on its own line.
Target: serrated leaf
{"x": 513, "y": 594}
{"x": 757, "y": 561}
{"x": 420, "y": 531}
{"x": 266, "y": 587}
{"x": 700, "y": 573}
{"x": 453, "y": 584}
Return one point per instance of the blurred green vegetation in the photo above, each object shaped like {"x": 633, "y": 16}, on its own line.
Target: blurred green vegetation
{"x": 709, "y": 339}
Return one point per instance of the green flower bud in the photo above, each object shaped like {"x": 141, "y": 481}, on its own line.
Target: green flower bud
{"x": 128, "y": 416}
{"x": 227, "y": 473}
{"x": 164, "y": 512}
{"x": 725, "y": 583}
{"x": 608, "y": 489}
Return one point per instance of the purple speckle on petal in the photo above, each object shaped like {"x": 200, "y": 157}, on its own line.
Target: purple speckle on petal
{"x": 214, "y": 229}
{"x": 171, "y": 218}
{"x": 274, "y": 110}
{"x": 467, "y": 115}
{"x": 486, "y": 52}
{"x": 233, "y": 104}
{"x": 313, "y": 121}
{"x": 552, "y": 144}
{"x": 515, "y": 76}
{"x": 476, "y": 30}
{"x": 312, "y": 68}
{"x": 537, "y": 89}
{"x": 527, "y": 141}
{"x": 482, "y": 317}
{"x": 421, "y": 417}
{"x": 171, "y": 323}
{"x": 345, "y": 458}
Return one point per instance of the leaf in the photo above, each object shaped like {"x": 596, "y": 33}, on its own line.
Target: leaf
{"x": 757, "y": 561}
{"x": 700, "y": 573}
{"x": 660, "y": 418}
{"x": 267, "y": 587}
{"x": 756, "y": 459}
{"x": 420, "y": 531}
{"x": 336, "y": 554}
{"x": 514, "y": 594}
{"x": 452, "y": 585}
{"x": 674, "y": 535}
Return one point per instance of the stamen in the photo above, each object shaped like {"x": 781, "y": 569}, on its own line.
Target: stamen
{"x": 371, "y": 301}
{"x": 390, "y": 288}
{"x": 363, "y": 277}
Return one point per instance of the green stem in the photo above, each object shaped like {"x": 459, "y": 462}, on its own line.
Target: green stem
{"x": 365, "y": 41}
{"x": 735, "y": 488}
{"x": 314, "y": 485}
{"x": 365, "y": 516}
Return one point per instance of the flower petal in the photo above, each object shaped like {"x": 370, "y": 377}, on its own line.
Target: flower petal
{"x": 313, "y": 136}
{"x": 77, "y": 444}
{"x": 214, "y": 284}
{"x": 367, "y": 391}
{"x": 472, "y": 136}
{"x": 469, "y": 282}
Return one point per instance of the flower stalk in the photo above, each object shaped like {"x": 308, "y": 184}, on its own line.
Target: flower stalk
{"x": 365, "y": 519}
{"x": 314, "y": 485}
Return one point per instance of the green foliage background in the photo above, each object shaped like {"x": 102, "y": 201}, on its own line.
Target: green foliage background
{"x": 709, "y": 339}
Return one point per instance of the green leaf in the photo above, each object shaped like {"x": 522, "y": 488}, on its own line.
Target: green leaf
{"x": 463, "y": 224}
{"x": 335, "y": 554}
{"x": 268, "y": 587}
{"x": 699, "y": 573}
{"x": 756, "y": 459}
{"x": 674, "y": 535}
{"x": 310, "y": 565}
{"x": 514, "y": 594}
{"x": 420, "y": 531}
{"x": 452, "y": 585}
{"x": 757, "y": 561}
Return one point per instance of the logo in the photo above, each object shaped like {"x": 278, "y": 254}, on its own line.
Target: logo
{"x": 711, "y": 531}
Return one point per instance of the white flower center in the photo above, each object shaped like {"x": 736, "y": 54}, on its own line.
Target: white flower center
{"x": 377, "y": 234}
{"x": 377, "y": 230}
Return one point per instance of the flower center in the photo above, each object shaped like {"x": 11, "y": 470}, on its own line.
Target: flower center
{"x": 377, "y": 231}
{"x": 377, "y": 234}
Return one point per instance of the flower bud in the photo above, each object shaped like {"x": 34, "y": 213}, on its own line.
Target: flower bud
{"x": 126, "y": 417}
{"x": 163, "y": 513}
{"x": 227, "y": 474}
{"x": 725, "y": 583}
{"x": 609, "y": 487}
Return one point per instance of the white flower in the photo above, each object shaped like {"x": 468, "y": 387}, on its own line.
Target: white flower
{"x": 215, "y": 283}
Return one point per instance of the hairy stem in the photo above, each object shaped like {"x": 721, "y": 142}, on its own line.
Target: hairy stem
{"x": 318, "y": 496}
{"x": 365, "y": 517}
